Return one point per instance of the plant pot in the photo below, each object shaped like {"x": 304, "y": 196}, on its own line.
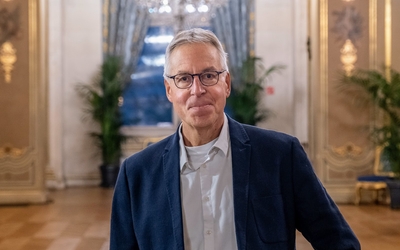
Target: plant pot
{"x": 394, "y": 190}
{"x": 109, "y": 174}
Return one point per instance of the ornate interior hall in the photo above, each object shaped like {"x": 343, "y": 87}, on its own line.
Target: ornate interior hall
{"x": 50, "y": 194}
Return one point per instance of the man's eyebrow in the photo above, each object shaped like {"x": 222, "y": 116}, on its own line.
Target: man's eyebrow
{"x": 212, "y": 68}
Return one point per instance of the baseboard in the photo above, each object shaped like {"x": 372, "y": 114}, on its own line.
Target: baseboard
{"x": 341, "y": 195}
{"x": 83, "y": 180}
{"x": 52, "y": 182}
{"x": 23, "y": 197}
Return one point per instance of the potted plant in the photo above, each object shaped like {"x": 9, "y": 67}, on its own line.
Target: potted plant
{"x": 246, "y": 95}
{"x": 103, "y": 100}
{"x": 383, "y": 89}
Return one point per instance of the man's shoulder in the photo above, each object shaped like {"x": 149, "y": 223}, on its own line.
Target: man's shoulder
{"x": 270, "y": 138}
{"x": 273, "y": 134}
{"x": 254, "y": 133}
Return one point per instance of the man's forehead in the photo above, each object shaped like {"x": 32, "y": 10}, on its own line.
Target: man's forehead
{"x": 195, "y": 53}
{"x": 194, "y": 45}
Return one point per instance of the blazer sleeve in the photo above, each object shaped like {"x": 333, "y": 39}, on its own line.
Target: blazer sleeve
{"x": 122, "y": 233}
{"x": 317, "y": 216}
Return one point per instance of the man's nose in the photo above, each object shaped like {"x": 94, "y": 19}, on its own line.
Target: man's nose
{"x": 197, "y": 87}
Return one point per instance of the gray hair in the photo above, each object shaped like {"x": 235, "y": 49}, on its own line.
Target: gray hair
{"x": 192, "y": 36}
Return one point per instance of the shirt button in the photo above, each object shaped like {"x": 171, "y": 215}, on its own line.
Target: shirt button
{"x": 208, "y": 232}
{"x": 207, "y": 198}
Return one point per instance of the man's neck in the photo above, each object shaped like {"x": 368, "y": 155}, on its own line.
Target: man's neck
{"x": 196, "y": 137}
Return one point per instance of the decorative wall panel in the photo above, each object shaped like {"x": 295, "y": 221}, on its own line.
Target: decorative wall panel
{"x": 348, "y": 124}
{"x": 347, "y": 35}
{"x": 22, "y": 104}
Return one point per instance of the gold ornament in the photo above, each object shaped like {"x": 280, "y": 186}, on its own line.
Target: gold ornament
{"x": 8, "y": 56}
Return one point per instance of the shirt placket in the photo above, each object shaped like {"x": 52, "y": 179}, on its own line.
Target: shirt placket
{"x": 206, "y": 184}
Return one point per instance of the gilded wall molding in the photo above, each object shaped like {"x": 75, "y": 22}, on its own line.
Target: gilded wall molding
{"x": 349, "y": 155}
{"x": 22, "y": 169}
{"x": 388, "y": 37}
{"x": 340, "y": 148}
{"x": 323, "y": 70}
{"x": 349, "y": 149}
{"x": 17, "y": 165}
{"x": 342, "y": 163}
{"x": 12, "y": 152}
{"x": 348, "y": 158}
{"x": 373, "y": 29}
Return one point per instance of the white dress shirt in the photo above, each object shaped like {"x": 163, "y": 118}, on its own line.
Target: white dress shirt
{"x": 207, "y": 194}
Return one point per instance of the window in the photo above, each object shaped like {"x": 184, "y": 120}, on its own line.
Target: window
{"x": 145, "y": 102}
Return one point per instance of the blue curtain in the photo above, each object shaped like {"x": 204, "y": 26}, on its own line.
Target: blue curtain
{"x": 231, "y": 24}
{"x": 124, "y": 28}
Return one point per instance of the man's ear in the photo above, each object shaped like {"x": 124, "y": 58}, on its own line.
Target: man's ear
{"x": 167, "y": 90}
{"x": 228, "y": 84}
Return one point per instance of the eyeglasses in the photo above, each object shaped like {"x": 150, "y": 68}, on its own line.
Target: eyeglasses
{"x": 185, "y": 81}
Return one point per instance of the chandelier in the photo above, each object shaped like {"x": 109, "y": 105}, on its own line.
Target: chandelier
{"x": 184, "y": 12}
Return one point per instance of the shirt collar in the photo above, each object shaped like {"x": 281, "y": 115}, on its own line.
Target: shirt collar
{"x": 223, "y": 140}
{"x": 222, "y": 143}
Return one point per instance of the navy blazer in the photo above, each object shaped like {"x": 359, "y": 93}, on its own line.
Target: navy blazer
{"x": 275, "y": 192}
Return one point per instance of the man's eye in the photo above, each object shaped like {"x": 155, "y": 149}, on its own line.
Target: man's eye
{"x": 209, "y": 75}
{"x": 183, "y": 78}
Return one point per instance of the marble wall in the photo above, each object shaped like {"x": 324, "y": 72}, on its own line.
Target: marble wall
{"x": 74, "y": 33}
{"x": 281, "y": 38}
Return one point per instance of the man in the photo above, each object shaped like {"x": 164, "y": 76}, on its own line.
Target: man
{"x": 215, "y": 183}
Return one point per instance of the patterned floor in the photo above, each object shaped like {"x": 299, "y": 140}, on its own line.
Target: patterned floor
{"x": 78, "y": 219}
{"x": 75, "y": 219}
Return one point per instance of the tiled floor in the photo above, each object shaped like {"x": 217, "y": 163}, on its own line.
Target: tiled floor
{"x": 78, "y": 219}
{"x": 74, "y": 219}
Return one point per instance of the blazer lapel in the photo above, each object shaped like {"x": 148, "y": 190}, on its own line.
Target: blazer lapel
{"x": 240, "y": 167}
{"x": 172, "y": 181}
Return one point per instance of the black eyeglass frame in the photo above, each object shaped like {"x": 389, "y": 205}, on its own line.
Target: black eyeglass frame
{"x": 198, "y": 75}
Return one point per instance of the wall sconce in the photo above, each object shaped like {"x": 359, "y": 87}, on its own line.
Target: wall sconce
{"x": 348, "y": 56}
{"x": 8, "y": 56}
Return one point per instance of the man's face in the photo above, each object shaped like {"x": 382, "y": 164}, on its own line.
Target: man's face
{"x": 199, "y": 107}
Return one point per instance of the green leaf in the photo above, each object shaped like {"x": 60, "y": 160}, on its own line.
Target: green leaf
{"x": 384, "y": 92}
{"x": 246, "y": 97}
{"x": 101, "y": 99}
